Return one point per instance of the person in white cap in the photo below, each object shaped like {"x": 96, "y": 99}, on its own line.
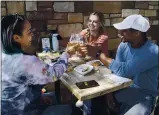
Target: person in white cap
{"x": 137, "y": 59}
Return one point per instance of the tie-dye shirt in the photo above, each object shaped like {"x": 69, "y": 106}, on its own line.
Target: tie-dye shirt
{"x": 19, "y": 71}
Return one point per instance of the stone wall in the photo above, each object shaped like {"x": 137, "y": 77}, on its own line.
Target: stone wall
{"x": 71, "y": 17}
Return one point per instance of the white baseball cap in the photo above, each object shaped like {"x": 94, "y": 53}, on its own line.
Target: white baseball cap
{"x": 135, "y": 21}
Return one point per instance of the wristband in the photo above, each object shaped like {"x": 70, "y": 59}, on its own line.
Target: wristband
{"x": 98, "y": 53}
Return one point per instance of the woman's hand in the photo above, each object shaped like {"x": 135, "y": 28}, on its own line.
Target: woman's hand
{"x": 72, "y": 48}
{"x": 83, "y": 50}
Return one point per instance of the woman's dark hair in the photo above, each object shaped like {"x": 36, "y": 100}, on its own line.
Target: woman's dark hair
{"x": 101, "y": 19}
{"x": 11, "y": 25}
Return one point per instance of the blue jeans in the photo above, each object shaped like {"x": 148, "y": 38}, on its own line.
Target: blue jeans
{"x": 87, "y": 107}
{"x": 133, "y": 102}
{"x": 142, "y": 108}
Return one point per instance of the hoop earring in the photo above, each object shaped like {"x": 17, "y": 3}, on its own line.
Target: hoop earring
{"x": 4, "y": 38}
{"x": 9, "y": 36}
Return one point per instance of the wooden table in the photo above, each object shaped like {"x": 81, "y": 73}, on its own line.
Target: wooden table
{"x": 108, "y": 83}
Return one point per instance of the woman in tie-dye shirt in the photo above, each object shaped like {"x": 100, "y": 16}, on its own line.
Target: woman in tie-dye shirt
{"x": 21, "y": 70}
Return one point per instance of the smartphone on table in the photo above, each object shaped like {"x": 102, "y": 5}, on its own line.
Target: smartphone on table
{"x": 87, "y": 84}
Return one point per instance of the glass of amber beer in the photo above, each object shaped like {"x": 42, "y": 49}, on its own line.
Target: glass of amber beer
{"x": 75, "y": 40}
{"x": 78, "y": 39}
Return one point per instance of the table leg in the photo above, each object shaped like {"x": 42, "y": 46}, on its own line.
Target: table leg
{"x": 99, "y": 106}
{"x": 156, "y": 112}
{"x": 57, "y": 92}
{"x": 75, "y": 110}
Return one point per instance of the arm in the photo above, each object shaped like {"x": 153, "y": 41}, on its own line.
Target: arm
{"x": 100, "y": 45}
{"x": 90, "y": 50}
{"x": 40, "y": 73}
{"x": 131, "y": 67}
{"x": 107, "y": 61}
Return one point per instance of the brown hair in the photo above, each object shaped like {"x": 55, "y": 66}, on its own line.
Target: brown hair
{"x": 101, "y": 20}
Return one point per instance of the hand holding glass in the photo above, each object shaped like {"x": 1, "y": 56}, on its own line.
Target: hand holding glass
{"x": 78, "y": 39}
{"x": 72, "y": 48}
